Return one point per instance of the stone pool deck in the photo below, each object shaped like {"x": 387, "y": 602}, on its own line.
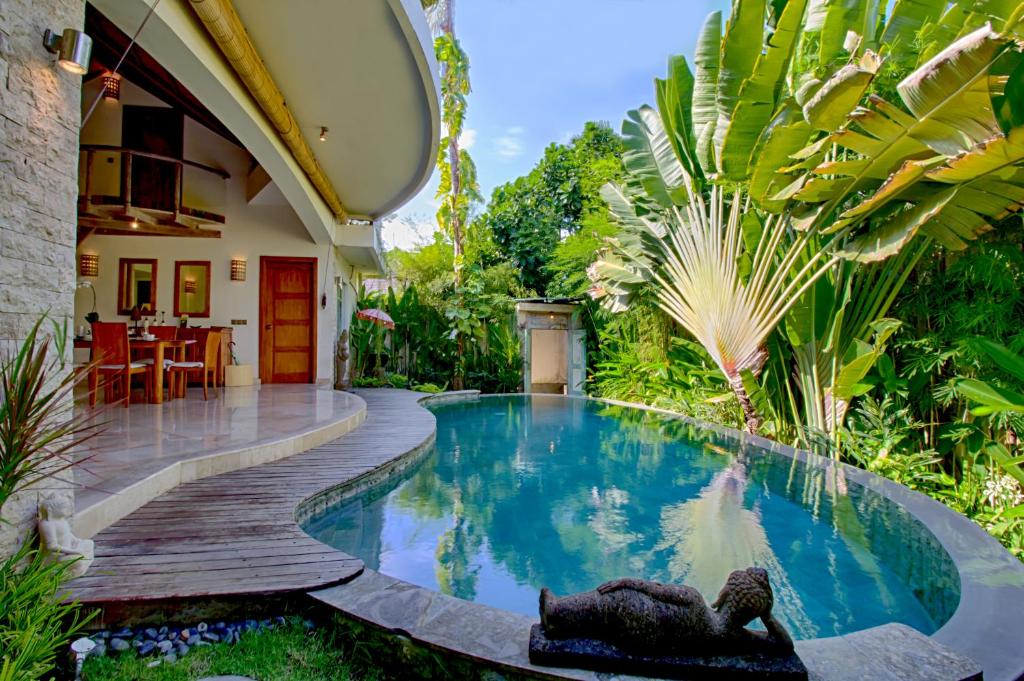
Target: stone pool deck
{"x": 236, "y": 535}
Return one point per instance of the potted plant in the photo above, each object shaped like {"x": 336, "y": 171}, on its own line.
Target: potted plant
{"x": 236, "y": 374}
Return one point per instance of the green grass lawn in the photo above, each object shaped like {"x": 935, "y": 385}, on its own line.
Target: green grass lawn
{"x": 289, "y": 653}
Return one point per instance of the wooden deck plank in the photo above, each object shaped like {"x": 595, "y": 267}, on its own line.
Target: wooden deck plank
{"x": 235, "y": 533}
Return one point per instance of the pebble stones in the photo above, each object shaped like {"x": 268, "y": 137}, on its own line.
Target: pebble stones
{"x": 168, "y": 644}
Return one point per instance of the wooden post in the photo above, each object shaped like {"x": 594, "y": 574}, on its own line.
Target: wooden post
{"x": 126, "y": 179}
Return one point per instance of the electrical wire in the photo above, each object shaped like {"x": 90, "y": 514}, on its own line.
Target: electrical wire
{"x": 99, "y": 95}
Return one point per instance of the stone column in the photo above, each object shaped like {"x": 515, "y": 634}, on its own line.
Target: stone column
{"x": 40, "y": 113}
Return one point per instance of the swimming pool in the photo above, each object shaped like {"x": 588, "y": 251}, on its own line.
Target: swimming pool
{"x": 522, "y": 492}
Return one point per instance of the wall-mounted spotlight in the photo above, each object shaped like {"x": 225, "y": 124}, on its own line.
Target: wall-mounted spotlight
{"x": 89, "y": 265}
{"x": 237, "y": 269}
{"x": 112, "y": 87}
{"x": 323, "y": 133}
{"x": 71, "y": 47}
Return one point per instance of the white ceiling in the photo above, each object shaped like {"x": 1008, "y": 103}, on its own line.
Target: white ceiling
{"x": 363, "y": 69}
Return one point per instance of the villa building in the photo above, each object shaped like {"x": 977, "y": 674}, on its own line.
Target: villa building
{"x": 213, "y": 163}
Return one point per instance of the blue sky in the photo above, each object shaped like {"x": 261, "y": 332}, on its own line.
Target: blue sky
{"x": 541, "y": 68}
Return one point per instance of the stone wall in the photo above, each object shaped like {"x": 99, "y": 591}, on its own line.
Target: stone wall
{"x": 39, "y": 121}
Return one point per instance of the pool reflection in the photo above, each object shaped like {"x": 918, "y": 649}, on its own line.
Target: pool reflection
{"x": 521, "y": 493}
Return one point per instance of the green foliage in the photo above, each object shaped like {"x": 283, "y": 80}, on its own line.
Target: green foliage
{"x": 287, "y": 654}
{"x": 860, "y": 132}
{"x": 37, "y": 427}
{"x": 528, "y": 217}
{"x": 422, "y": 347}
{"x": 35, "y": 623}
{"x": 428, "y": 388}
{"x": 458, "y": 189}
{"x": 566, "y": 269}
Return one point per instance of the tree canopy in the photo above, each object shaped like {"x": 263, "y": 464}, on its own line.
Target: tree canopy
{"x": 528, "y": 217}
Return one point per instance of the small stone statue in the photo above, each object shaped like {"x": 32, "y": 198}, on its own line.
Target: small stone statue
{"x": 636, "y": 626}
{"x": 56, "y": 537}
{"x": 341, "y": 362}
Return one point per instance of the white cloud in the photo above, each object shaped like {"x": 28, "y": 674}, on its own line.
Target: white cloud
{"x": 407, "y": 231}
{"x": 510, "y": 145}
{"x": 467, "y": 139}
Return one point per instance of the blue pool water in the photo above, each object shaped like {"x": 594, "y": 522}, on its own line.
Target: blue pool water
{"x": 524, "y": 492}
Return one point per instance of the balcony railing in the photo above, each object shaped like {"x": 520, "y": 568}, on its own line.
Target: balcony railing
{"x": 129, "y": 199}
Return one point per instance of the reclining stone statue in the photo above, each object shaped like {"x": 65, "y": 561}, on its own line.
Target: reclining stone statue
{"x": 652, "y": 618}
{"x": 636, "y": 626}
{"x": 56, "y": 537}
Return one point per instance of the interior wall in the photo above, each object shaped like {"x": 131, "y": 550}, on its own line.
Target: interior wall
{"x": 250, "y": 231}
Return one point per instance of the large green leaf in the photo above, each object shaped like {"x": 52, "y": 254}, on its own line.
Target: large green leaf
{"x": 675, "y": 95}
{"x": 758, "y": 94}
{"x": 1005, "y": 359}
{"x": 830, "y": 106}
{"x": 705, "y": 89}
{"x": 885, "y": 241}
{"x": 741, "y": 47}
{"x": 908, "y": 17}
{"x": 650, "y": 157}
{"x": 840, "y": 17}
{"x": 950, "y": 96}
{"x": 992, "y": 399}
{"x": 787, "y": 133}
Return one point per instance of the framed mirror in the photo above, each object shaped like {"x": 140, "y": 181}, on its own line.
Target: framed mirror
{"x": 192, "y": 288}
{"x": 136, "y": 285}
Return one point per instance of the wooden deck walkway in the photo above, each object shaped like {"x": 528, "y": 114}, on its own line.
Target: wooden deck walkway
{"x": 236, "y": 534}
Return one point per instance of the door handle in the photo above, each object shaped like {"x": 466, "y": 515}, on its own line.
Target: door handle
{"x": 267, "y": 326}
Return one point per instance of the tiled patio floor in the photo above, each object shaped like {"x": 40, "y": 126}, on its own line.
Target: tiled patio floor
{"x": 147, "y": 449}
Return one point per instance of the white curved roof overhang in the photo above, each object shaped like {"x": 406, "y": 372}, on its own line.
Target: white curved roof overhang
{"x": 365, "y": 70}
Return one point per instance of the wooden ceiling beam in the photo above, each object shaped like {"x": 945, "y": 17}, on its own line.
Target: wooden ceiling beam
{"x": 120, "y": 227}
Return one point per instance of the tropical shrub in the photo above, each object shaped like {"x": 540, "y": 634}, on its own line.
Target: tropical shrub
{"x": 37, "y": 435}
{"x": 880, "y": 146}
{"x": 35, "y": 623}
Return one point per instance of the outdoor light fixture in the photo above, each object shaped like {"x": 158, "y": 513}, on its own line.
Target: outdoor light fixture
{"x": 71, "y": 47}
{"x": 111, "y": 87}
{"x": 237, "y": 269}
{"x": 323, "y": 134}
{"x": 89, "y": 265}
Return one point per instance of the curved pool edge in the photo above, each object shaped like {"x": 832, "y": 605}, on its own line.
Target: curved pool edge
{"x": 990, "y": 615}
{"x": 982, "y": 628}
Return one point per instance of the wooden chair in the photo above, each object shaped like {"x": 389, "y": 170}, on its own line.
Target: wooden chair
{"x": 111, "y": 352}
{"x": 206, "y": 362}
{"x": 164, "y": 332}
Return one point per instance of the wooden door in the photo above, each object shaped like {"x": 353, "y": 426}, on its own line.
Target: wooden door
{"x": 157, "y": 130}
{"x": 287, "y": 320}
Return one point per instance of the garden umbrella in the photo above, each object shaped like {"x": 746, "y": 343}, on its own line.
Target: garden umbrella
{"x": 378, "y": 317}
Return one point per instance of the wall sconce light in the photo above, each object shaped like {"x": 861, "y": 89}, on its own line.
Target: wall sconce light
{"x": 111, "y": 87}
{"x": 71, "y": 47}
{"x": 323, "y": 133}
{"x": 89, "y": 265}
{"x": 237, "y": 269}
{"x": 190, "y": 286}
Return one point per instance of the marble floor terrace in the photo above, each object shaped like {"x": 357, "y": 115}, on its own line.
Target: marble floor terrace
{"x": 146, "y": 450}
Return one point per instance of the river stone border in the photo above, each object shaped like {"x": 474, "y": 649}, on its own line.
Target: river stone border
{"x": 983, "y": 631}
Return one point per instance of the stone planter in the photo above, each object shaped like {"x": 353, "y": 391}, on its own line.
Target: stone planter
{"x": 237, "y": 375}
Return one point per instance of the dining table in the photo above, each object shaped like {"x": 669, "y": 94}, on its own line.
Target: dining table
{"x": 159, "y": 350}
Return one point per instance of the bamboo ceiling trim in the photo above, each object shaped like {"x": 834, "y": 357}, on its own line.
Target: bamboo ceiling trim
{"x": 226, "y": 29}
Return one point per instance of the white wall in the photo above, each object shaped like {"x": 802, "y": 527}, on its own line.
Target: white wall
{"x": 249, "y": 232}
